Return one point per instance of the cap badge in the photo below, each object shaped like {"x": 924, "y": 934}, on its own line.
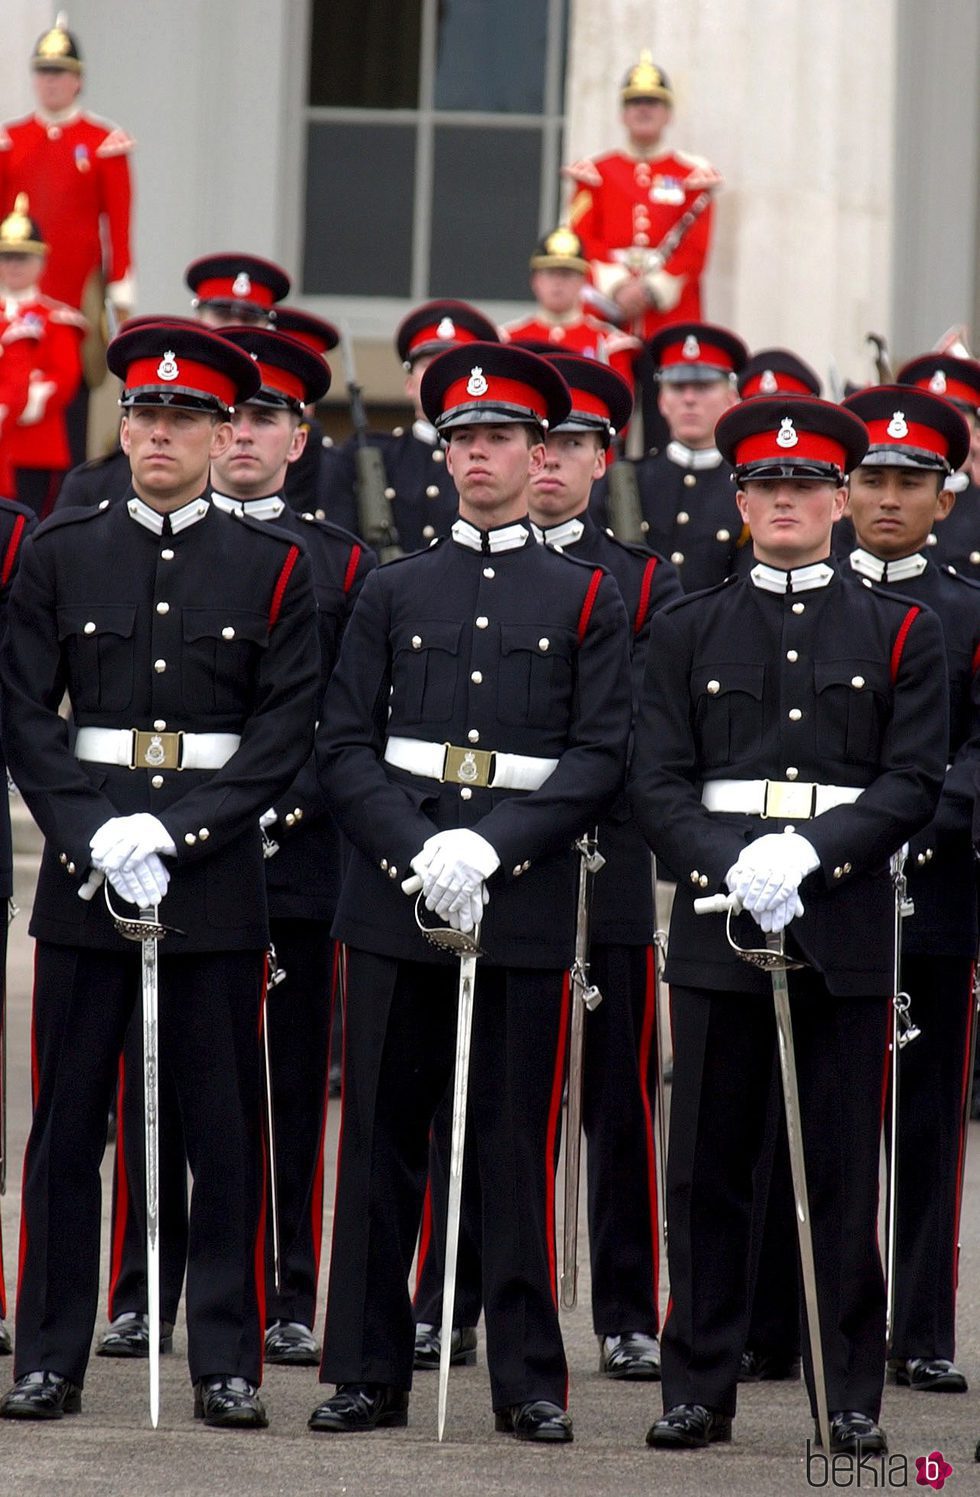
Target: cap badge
{"x": 476, "y": 384}
{"x": 898, "y": 426}
{"x": 446, "y": 328}
{"x": 167, "y": 367}
{"x": 786, "y": 436}
{"x": 691, "y": 348}
{"x": 242, "y": 284}
{"x": 938, "y": 383}
{"x": 468, "y": 769}
{"x": 768, "y": 384}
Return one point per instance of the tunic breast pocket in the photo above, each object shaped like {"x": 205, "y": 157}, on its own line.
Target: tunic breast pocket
{"x": 534, "y": 685}
{"x": 220, "y": 652}
{"x": 852, "y": 707}
{"x": 424, "y": 671}
{"x": 728, "y": 711}
{"x": 98, "y": 645}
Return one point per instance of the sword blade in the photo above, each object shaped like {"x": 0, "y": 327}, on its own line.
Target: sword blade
{"x": 271, "y": 1130}
{"x": 662, "y": 1033}
{"x": 151, "y": 1116}
{"x": 794, "y": 1133}
{"x": 461, "y": 1076}
{"x": 568, "y": 1282}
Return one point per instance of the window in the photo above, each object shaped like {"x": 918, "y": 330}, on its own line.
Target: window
{"x": 433, "y": 143}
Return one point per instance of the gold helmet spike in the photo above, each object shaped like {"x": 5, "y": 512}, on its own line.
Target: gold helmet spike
{"x": 646, "y": 81}
{"x": 560, "y": 250}
{"x": 57, "y": 49}
{"x": 19, "y": 235}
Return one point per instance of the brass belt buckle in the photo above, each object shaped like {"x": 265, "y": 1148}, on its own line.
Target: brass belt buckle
{"x": 156, "y": 750}
{"x": 465, "y": 766}
{"x": 786, "y": 801}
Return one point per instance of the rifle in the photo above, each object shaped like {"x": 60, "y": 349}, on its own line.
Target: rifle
{"x": 373, "y": 510}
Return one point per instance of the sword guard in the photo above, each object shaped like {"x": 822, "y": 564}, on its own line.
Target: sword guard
{"x": 144, "y": 928}
{"x": 444, "y": 938}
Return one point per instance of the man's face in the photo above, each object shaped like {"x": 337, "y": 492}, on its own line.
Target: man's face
{"x": 894, "y": 509}
{"x": 491, "y": 466}
{"x": 973, "y": 461}
{"x": 170, "y": 451}
{"x": 265, "y": 442}
{"x": 645, "y": 121}
{"x": 18, "y": 273}
{"x": 413, "y": 380}
{"x": 692, "y": 410}
{"x": 790, "y": 518}
{"x": 219, "y": 317}
{"x": 56, "y": 89}
{"x": 556, "y": 290}
{"x": 573, "y": 461}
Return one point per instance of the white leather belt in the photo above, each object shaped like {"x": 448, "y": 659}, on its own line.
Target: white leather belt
{"x": 781, "y": 800}
{"x": 133, "y": 748}
{"x": 467, "y": 766}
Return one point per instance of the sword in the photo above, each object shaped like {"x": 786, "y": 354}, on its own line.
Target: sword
{"x": 276, "y": 975}
{"x": 149, "y": 931}
{"x": 902, "y": 1031}
{"x": 773, "y": 959}
{"x": 585, "y": 995}
{"x": 663, "y": 1111}
{"x": 467, "y": 948}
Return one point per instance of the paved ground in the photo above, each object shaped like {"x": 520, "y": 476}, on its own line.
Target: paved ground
{"x": 111, "y": 1451}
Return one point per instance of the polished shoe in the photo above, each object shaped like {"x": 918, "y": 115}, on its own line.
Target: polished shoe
{"x": 360, "y": 1406}
{"x": 6, "y": 1344}
{"x": 852, "y": 1433}
{"x": 634, "y": 1357}
{"x": 41, "y": 1395}
{"x": 229, "y": 1403}
{"x": 428, "y": 1345}
{"x": 289, "y": 1343}
{"x": 539, "y": 1421}
{"x": 129, "y": 1336}
{"x": 768, "y": 1366}
{"x": 928, "y": 1375}
{"x": 689, "y": 1426}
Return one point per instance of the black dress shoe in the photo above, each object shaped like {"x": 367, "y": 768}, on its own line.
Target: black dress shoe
{"x": 6, "y": 1345}
{"x": 360, "y": 1406}
{"x": 428, "y": 1345}
{"x": 690, "y": 1426}
{"x": 634, "y": 1357}
{"x": 853, "y": 1433}
{"x": 540, "y": 1421}
{"x": 129, "y": 1336}
{"x": 41, "y": 1395}
{"x": 929, "y": 1375}
{"x": 768, "y": 1366}
{"x": 288, "y": 1343}
{"x": 229, "y": 1403}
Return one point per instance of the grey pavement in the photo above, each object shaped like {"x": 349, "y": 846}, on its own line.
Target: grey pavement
{"x": 110, "y": 1449}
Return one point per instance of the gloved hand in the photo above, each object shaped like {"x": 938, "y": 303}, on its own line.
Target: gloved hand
{"x": 268, "y": 817}
{"x": 779, "y": 917}
{"x": 770, "y": 870}
{"x": 125, "y": 840}
{"x": 453, "y": 866}
{"x": 144, "y": 881}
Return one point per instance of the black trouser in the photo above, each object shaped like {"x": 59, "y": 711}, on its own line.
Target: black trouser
{"x": 724, "y": 1053}
{"x": 298, "y": 1016}
{"x": 619, "y": 1087}
{"x": 3, "y": 1101}
{"x": 209, "y": 1025}
{"x": 400, "y": 1024}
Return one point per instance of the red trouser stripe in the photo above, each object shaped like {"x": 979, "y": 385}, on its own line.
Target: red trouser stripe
{"x": 121, "y": 1186}
{"x": 966, "y": 1084}
{"x": 343, "y": 1086}
{"x": 554, "y": 1113}
{"x": 316, "y": 1204}
{"x": 259, "y": 1251}
{"x": 647, "y": 1032}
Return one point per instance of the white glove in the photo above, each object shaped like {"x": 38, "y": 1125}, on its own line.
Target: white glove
{"x": 770, "y": 870}
{"x": 125, "y": 840}
{"x": 143, "y": 882}
{"x": 778, "y": 918}
{"x": 268, "y": 817}
{"x": 453, "y": 866}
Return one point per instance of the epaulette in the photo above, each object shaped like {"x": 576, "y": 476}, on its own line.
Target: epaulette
{"x": 428, "y": 550}
{"x": 950, "y": 571}
{"x": 327, "y": 527}
{"x": 700, "y": 595}
{"x": 6, "y": 144}
{"x": 576, "y": 561}
{"x": 67, "y": 316}
{"x": 689, "y": 158}
{"x": 642, "y": 553}
{"x": 117, "y": 141}
{"x": 583, "y": 171}
{"x": 262, "y": 527}
{"x": 73, "y": 515}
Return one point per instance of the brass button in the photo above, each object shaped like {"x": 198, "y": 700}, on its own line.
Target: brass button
{"x": 432, "y": 491}
{"x": 792, "y": 773}
{"x": 518, "y": 870}
{"x": 857, "y": 682}
{"x": 160, "y": 723}
{"x": 298, "y": 812}
{"x": 438, "y": 456}
{"x": 703, "y": 881}
{"x": 163, "y": 608}
{"x": 389, "y": 493}
{"x": 465, "y": 793}
{"x": 489, "y": 572}
{"x": 792, "y": 656}
{"x": 227, "y": 632}
{"x": 799, "y": 607}
{"x": 104, "y": 504}
{"x": 544, "y": 644}
{"x": 689, "y": 480}
{"x": 190, "y": 838}
{"x": 428, "y": 532}
{"x": 392, "y": 871}
{"x": 416, "y": 641}
{"x": 71, "y": 868}
{"x": 682, "y": 517}
{"x": 931, "y": 539}
{"x": 89, "y": 628}
{"x": 847, "y": 867}
{"x": 384, "y": 865}
{"x": 482, "y": 621}
{"x": 473, "y": 735}
{"x": 677, "y": 557}
{"x": 63, "y": 858}
{"x": 157, "y": 781}
{"x": 476, "y": 677}
{"x": 289, "y": 819}
{"x": 838, "y": 872}
{"x": 166, "y": 554}
{"x": 713, "y": 688}
{"x": 723, "y": 535}
{"x": 975, "y": 557}
{"x": 159, "y": 666}
{"x": 795, "y": 714}
{"x": 695, "y": 875}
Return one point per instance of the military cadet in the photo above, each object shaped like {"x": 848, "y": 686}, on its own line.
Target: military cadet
{"x": 517, "y": 658}
{"x": 627, "y": 201}
{"x": 308, "y": 478}
{"x": 185, "y": 639}
{"x": 41, "y": 368}
{"x": 955, "y": 542}
{"x": 16, "y": 522}
{"x": 235, "y": 289}
{"x": 897, "y": 493}
{"x": 620, "y": 1057}
{"x": 561, "y": 318}
{"x": 302, "y": 875}
{"x": 791, "y": 736}
{"x": 772, "y": 371}
{"x": 686, "y": 491}
{"x": 421, "y": 493}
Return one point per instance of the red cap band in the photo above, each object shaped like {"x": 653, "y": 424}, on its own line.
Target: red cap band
{"x": 808, "y": 447}
{"x": 776, "y": 383}
{"x": 496, "y": 391}
{"x": 674, "y": 354}
{"x": 949, "y": 387}
{"x": 280, "y": 380}
{"x": 222, "y": 288}
{"x": 180, "y": 374}
{"x": 584, "y": 403}
{"x": 897, "y": 432}
{"x": 437, "y": 332}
